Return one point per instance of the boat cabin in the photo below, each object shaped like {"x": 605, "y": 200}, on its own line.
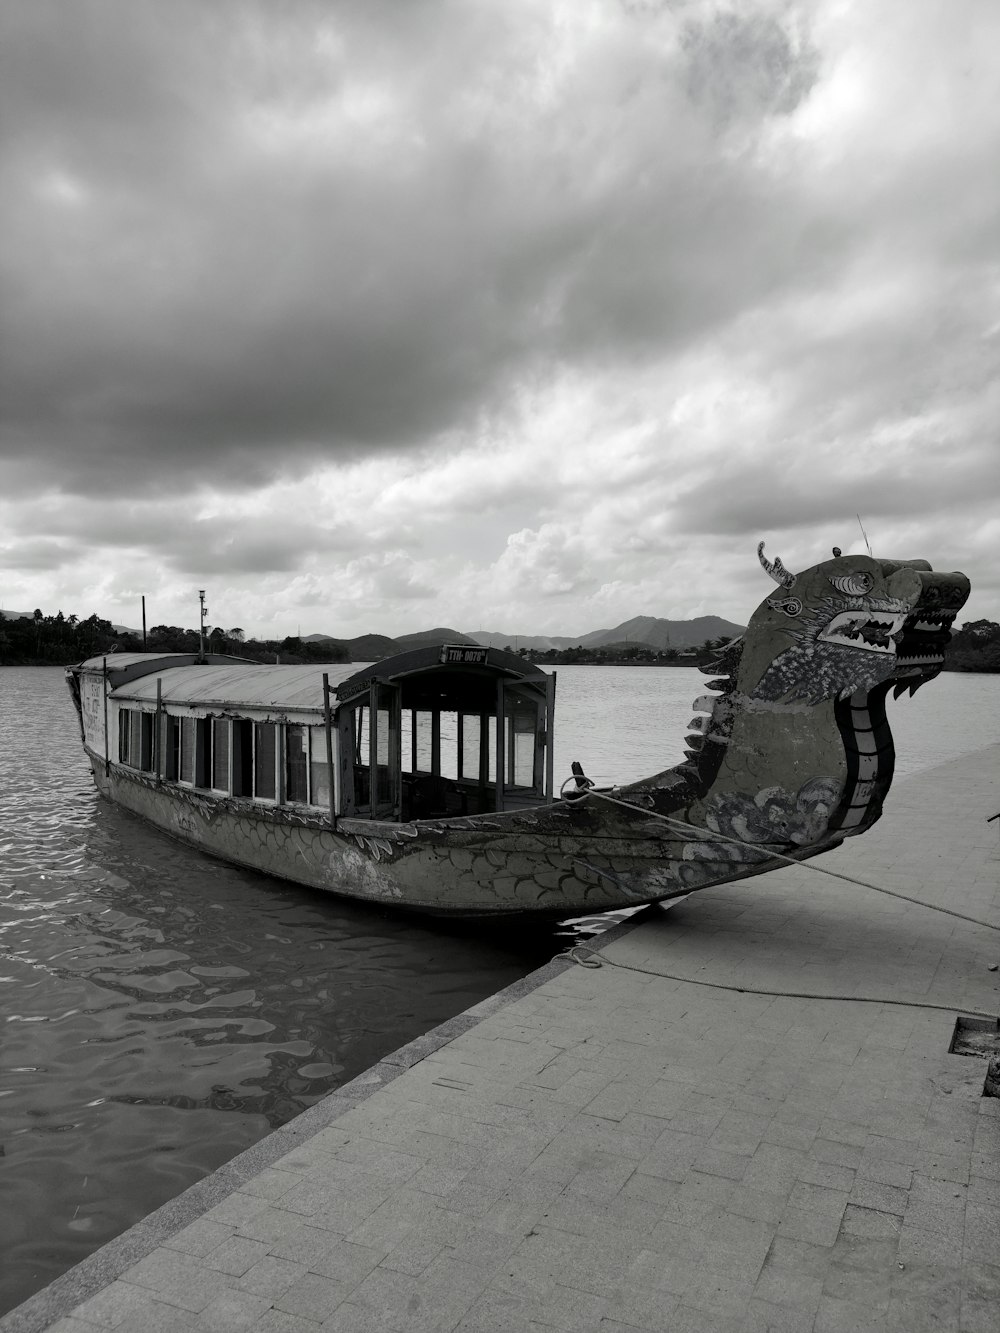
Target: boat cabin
{"x": 419, "y": 735}
{"x": 443, "y": 730}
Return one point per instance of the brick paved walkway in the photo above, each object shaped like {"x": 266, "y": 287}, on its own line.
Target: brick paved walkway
{"x": 616, "y": 1151}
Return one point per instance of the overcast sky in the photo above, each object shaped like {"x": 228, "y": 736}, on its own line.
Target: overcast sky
{"x": 528, "y": 315}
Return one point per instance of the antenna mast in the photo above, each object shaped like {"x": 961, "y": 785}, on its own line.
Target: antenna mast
{"x": 864, "y": 534}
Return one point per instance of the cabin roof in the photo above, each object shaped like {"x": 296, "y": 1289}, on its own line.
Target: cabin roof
{"x": 258, "y": 685}
{"x": 123, "y": 667}
{"x": 123, "y": 661}
{"x": 467, "y": 658}
{"x": 235, "y": 683}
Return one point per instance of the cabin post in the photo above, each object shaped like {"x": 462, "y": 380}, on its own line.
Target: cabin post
{"x": 550, "y": 712}
{"x": 484, "y": 756}
{"x": 107, "y": 752}
{"x": 501, "y": 724}
{"x": 436, "y": 742}
{"x": 157, "y": 725}
{"x": 372, "y": 748}
{"x": 281, "y": 763}
{"x": 331, "y": 776}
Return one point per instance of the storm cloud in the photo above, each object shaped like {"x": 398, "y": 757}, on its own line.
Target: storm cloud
{"x": 531, "y": 315}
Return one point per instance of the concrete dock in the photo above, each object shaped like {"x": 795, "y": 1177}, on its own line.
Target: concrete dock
{"x": 616, "y": 1148}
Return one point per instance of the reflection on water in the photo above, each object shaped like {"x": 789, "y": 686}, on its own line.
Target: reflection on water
{"x": 161, "y": 1011}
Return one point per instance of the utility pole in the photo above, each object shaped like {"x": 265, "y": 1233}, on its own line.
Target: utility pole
{"x": 201, "y": 624}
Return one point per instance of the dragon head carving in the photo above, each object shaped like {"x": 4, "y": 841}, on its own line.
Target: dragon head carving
{"x": 851, "y": 623}
{"x": 794, "y": 752}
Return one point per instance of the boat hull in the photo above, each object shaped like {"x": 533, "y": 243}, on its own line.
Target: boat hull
{"x": 550, "y": 861}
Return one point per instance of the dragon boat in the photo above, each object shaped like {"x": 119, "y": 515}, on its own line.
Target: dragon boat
{"x": 425, "y": 781}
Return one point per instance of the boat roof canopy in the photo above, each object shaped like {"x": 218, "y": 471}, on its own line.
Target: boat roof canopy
{"x": 123, "y": 667}
{"x": 444, "y": 675}
{"x": 258, "y": 685}
{"x": 449, "y": 676}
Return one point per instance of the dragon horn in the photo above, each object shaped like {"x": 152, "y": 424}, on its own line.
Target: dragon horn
{"x": 775, "y": 568}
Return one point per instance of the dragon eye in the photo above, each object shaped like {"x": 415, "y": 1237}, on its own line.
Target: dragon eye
{"x": 854, "y": 585}
{"x": 788, "y": 606}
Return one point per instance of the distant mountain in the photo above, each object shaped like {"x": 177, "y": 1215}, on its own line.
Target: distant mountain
{"x": 665, "y": 633}
{"x": 373, "y": 647}
{"x": 640, "y": 631}
{"x": 649, "y": 630}
{"x": 418, "y": 640}
{"x": 540, "y": 643}
{"x": 365, "y": 648}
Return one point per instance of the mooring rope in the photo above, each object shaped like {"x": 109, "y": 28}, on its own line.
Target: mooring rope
{"x": 600, "y": 960}
{"x": 586, "y": 792}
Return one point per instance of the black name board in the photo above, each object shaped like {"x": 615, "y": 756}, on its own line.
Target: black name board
{"x": 461, "y": 654}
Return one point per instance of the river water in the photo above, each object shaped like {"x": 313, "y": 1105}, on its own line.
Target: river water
{"x": 160, "y": 1011}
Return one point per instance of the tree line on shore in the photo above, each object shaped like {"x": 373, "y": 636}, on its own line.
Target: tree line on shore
{"x": 60, "y": 640}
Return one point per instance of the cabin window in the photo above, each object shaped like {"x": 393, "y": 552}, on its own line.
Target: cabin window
{"x": 296, "y": 765}
{"x": 189, "y": 749}
{"x": 124, "y": 732}
{"x": 422, "y": 734}
{"x": 265, "y": 752}
{"x": 319, "y": 771}
{"x": 242, "y": 771}
{"x": 135, "y": 739}
{"x": 521, "y": 726}
{"x": 203, "y": 752}
{"x": 220, "y": 753}
{"x": 171, "y": 748}
{"x": 470, "y": 728}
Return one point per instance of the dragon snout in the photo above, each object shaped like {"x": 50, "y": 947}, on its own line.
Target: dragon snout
{"x": 906, "y": 586}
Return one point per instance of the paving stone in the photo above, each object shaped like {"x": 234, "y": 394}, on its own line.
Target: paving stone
{"x": 312, "y": 1297}
{"x": 745, "y": 1201}
{"x": 718, "y": 1162}
{"x": 785, "y": 1287}
{"x": 884, "y": 1198}
{"x": 939, "y": 1313}
{"x": 233, "y": 1312}
{"x": 834, "y": 1315}
{"x": 796, "y": 1256}
{"x": 774, "y": 1168}
{"x": 200, "y": 1238}
{"x": 689, "y": 1319}
{"x": 235, "y": 1255}
{"x": 818, "y": 1198}
{"x": 980, "y": 1297}
{"x": 982, "y": 1233}
{"x": 836, "y": 1153}
{"x": 271, "y": 1183}
{"x": 869, "y": 1222}
{"x": 157, "y": 1317}
{"x": 270, "y": 1277}
{"x": 178, "y": 1279}
{"x": 859, "y": 1286}
{"x": 351, "y": 1318}
{"x": 805, "y": 1224}
{"x": 279, "y": 1321}
{"x": 835, "y": 1177}
{"x": 885, "y": 1171}
{"x": 918, "y": 1245}
{"x": 110, "y": 1306}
